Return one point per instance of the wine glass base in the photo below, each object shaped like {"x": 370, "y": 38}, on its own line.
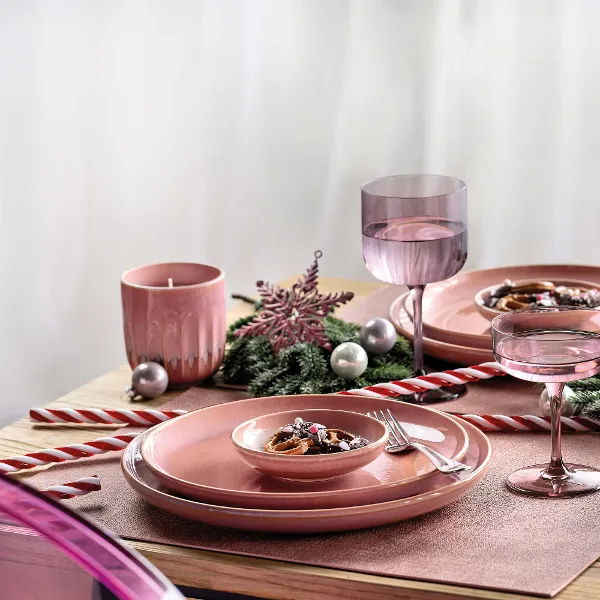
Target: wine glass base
{"x": 442, "y": 394}
{"x": 534, "y": 481}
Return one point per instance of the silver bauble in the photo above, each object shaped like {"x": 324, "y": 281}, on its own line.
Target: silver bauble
{"x": 349, "y": 360}
{"x": 148, "y": 380}
{"x": 378, "y": 336}
{"x": 567, "y": 409}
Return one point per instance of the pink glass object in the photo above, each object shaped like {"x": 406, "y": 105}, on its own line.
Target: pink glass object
{"x": 182, "y": 327}
{"x": 414, "y": 232}
{"x": 50, "y": 552}
{"x": 550, "y": 346}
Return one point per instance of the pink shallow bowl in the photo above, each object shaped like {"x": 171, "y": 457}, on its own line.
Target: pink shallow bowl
{"x": 193, "y": 455}
{"x": 483, "y": 296}
{"x": 451, "y": 316}
{"x": 442, "y": 490}
{"x": 249, "y": 438}
{"x": 453, "y": 353}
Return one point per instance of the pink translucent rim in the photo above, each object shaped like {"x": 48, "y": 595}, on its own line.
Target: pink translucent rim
{"x": 455, "y": 186}
{"x": 124, "y": 572}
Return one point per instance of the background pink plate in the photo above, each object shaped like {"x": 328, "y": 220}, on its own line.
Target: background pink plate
{"x": 449, "y": 311}
{"x": 460, "y": 355}
{"x": 443, "y": 490}
{"x": 193, "y": 455}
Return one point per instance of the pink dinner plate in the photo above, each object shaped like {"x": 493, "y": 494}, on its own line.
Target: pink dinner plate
{"x": 193, "y": 456}
{"x": 449, "y": 311}
{"x": 442, "y": 490}
{"x": 460, "y": 355}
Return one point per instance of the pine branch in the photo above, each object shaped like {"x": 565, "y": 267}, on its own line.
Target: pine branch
{"x": 303, "y": 367}
{"x": 339, "y": 331}
{"x": 389, "y": 372}
{"x": 586, "y": 399}
{"x": 591, "y": 384}
{"x": 313, "y": 364}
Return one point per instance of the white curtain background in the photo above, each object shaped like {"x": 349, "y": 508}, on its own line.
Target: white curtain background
{"x": 238, "y": 133}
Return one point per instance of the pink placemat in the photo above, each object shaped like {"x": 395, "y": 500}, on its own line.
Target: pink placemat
{"x": 492, "y": 538}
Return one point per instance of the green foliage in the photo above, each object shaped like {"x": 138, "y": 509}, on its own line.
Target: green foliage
{"x": 592, "y": 384}
{"x": 246, "y": 358}
{"x": 587, "y": 396}
{"x": 304, "y": 368}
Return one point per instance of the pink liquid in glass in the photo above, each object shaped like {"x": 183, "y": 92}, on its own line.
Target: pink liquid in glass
{"x": 415, "y": 250}
{"x": 553, "y": 355}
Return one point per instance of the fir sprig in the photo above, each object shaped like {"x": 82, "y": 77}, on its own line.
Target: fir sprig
{"x": 587, "y": 397}
{"x": 304, "y": 367}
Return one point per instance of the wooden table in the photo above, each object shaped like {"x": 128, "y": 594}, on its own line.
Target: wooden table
{"x": 228, "y": 572}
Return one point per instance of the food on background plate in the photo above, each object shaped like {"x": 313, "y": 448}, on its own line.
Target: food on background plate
{"x": 305, "y": 438}
{"x": 511, "y": 296}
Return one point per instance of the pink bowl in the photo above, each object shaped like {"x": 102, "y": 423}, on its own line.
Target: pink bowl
{"x": 482, "y": 296}
{"x": 249, "y": 437}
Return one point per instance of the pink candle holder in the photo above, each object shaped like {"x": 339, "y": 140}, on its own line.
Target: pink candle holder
{"x": 174, "y": 314}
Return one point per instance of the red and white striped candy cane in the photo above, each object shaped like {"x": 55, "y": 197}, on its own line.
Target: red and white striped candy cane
{"x": 80, "y": 487}
{"x": 405, "y": 387}
{"x": 64, "y": 453}
{"x": 528, "y": 423}
{"x": 103, "y": 416}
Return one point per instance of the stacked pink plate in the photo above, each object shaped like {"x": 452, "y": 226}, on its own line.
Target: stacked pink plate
{"x": 189, "y": 467}
{"x": 454, "y": 328}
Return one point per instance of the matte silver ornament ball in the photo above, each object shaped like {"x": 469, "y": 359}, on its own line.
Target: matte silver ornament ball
{"x": 148, "y": 380}
{"x": 349, "y": 360}
{"x": 378, "y": 336}
{"x": 567, "y": 408}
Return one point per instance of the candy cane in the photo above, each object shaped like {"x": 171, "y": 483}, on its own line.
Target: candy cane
{"x": 103, "y": 416}
{"x": 434, "y": 381}
{"x": 528, "y": 423}
{"x": 64, "y": 453}
{"x": 80, "y": 487}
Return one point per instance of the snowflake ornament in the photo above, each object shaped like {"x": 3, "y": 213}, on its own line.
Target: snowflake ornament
{"x": 295, "y": 315}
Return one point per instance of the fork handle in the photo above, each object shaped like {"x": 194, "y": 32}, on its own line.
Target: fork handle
{"x": 439, "y": 461}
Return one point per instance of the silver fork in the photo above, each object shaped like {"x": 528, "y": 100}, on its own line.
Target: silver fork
{"x": 402, "y": 442}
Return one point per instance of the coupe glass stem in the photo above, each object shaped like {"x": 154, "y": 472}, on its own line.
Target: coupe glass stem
{"x": 556, "y": 468}
{"x": 416, "y": 292}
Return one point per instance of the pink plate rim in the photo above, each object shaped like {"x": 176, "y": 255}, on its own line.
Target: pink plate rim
{"x": 162, "y": 474}
{"x": 503, "y": 271}
{"x": 398, "y": 305}
{"x": 303, "y": 514}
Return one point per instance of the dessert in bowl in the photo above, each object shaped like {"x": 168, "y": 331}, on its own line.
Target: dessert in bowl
{"x": 528, "y": 293}
{"x": 309, "y": 445}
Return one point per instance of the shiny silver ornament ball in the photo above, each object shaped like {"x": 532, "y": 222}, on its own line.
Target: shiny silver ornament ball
{"x": 567, "y": 409}
{"x": 349, "y": 360}
{"x": 378, "y": 336}
{"x": 148, "y": 380}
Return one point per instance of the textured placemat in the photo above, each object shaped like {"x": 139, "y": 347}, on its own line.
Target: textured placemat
{"x": 490, "y": 539}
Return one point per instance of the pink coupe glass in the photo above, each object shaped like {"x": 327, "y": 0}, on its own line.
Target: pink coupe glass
{"x": 48, "y": 551}
{"x": 550, "y": 346}
{"x": 414, "y": 231}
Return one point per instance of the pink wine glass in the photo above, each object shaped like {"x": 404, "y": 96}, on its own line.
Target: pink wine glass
{"x": 414, "y": 231}
{"x": 550, "y": 346}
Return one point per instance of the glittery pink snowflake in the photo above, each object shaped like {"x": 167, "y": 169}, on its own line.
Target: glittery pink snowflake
{"x": 295, "y": 315}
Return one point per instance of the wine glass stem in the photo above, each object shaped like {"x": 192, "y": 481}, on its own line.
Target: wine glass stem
{"x": 556, "y": 468}
{"x": 416, "y": 292}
